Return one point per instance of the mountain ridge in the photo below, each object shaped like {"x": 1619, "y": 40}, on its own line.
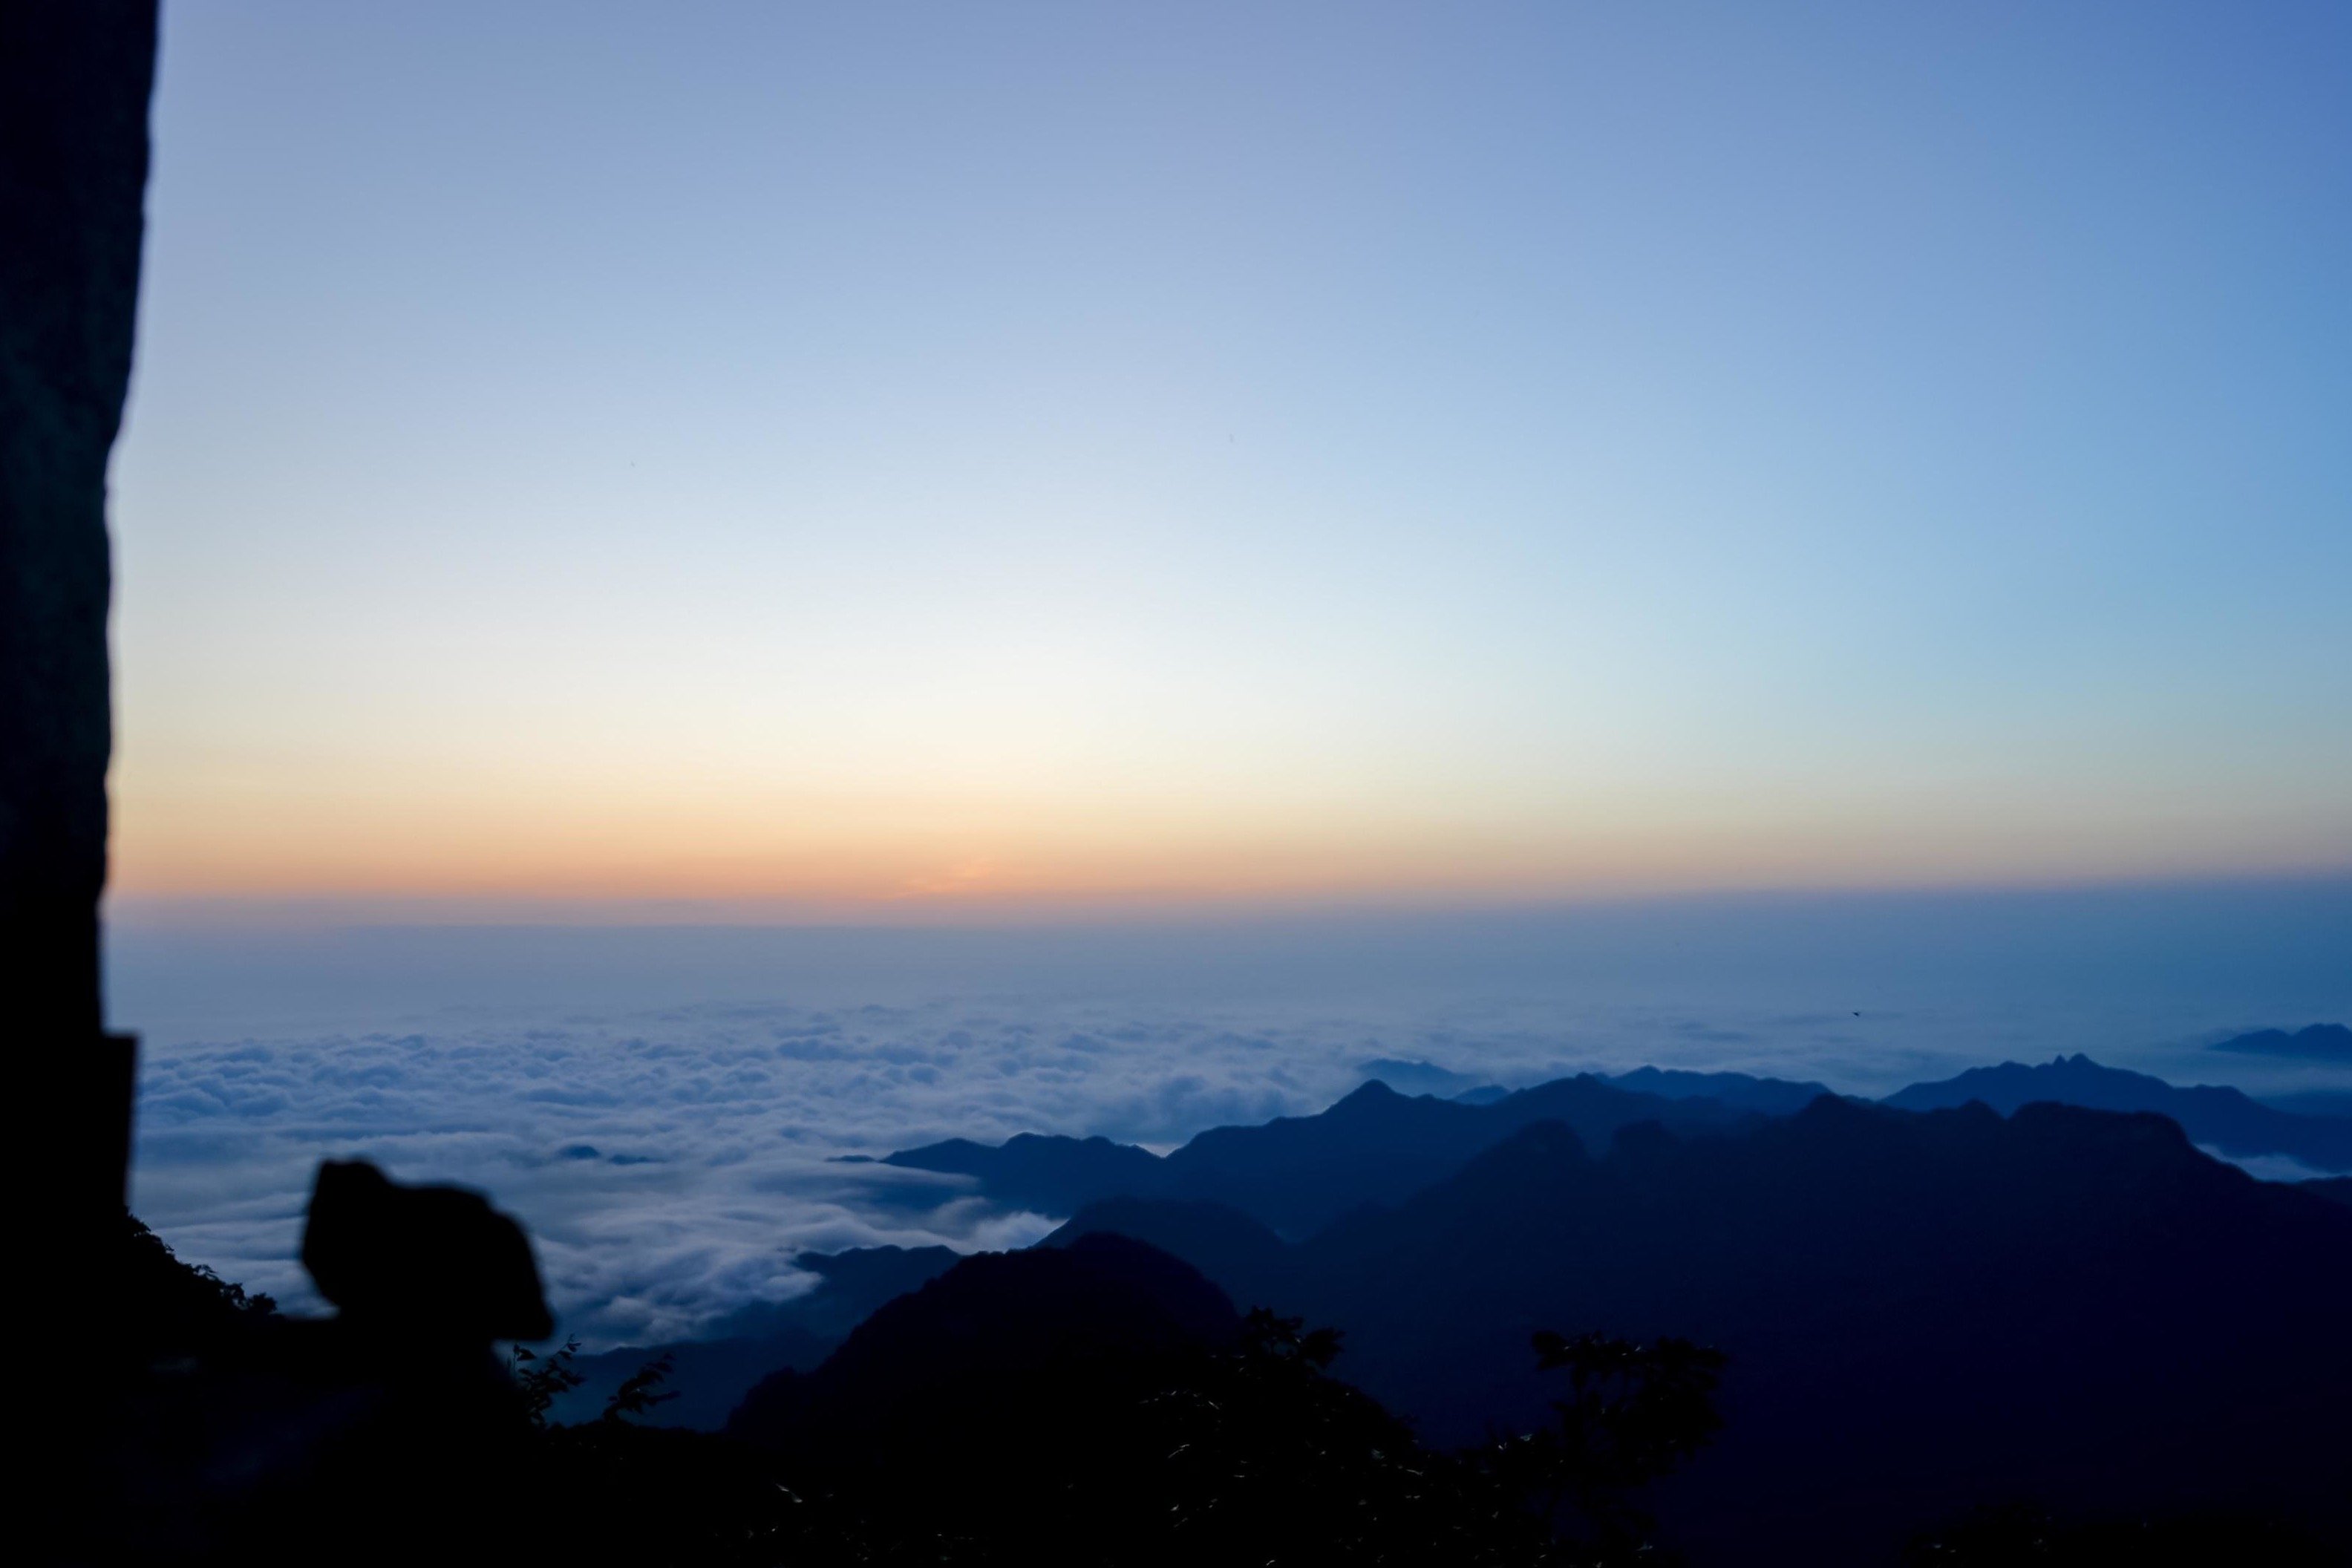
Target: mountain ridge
{"x": 1933, "y": 1308}
{"x": 2225, "y": 1117}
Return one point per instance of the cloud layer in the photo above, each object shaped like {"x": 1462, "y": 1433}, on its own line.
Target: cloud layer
{"x": 670, "y": 1161}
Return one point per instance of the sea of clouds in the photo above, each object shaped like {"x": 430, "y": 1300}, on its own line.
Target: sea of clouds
{"x": 667, "y": 1110}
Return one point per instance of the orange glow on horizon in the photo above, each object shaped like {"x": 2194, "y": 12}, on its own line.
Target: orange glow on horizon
{"x": 880, "y": 855}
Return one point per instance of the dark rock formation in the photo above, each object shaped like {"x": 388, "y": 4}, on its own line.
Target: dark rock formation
{"x": 74, "y": 85}
{"x": 426, "y": 1262}
{"x": 221, "y": 1430}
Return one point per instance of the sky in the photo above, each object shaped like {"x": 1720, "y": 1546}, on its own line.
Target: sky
{"x": 884, "y": 458}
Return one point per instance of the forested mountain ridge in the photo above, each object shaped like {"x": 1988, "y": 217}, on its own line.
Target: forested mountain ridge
{"x": 1922, "y": 1310}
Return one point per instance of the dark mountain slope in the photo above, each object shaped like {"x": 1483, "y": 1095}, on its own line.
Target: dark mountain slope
{"x": 2335, "y": 1103}
{"x": 1247, "y": 1261}
{"x": 2223, "y": 1118}
{"x": 1924, "y": 1312}
{"x": 973, "y": 1340}
{"x": 1100, "y": 1404}
{"x": 711, "y": 1376}
{"x": 2335, "y": 1189}
{"x": 1298, "y": 1172}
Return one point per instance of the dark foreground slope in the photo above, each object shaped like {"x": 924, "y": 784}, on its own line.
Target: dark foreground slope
{"x": 980, "y": 1337}
{"x": 1924, "y": 1312}
{"x": 1101, "y": 1403}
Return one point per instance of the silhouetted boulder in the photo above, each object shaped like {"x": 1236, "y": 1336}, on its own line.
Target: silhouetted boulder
{"x": 426, "y": 1262}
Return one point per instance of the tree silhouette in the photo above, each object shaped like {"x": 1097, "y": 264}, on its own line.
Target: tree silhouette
{"x": 541, "y": 1379}
{"x": 1631, "y": 1413}
{"x": 635, "y": 1397}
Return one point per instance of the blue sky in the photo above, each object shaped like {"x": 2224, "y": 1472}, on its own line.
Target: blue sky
{"x": 858, "y": 457}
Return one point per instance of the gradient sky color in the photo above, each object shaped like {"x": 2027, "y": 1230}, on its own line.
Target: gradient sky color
{"x": 843, "y": 457}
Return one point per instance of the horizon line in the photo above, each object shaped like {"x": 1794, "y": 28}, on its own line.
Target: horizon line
{"x": 1141, "y": 908}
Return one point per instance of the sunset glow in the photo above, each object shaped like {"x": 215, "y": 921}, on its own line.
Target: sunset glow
{"x": 1421, "y": 477}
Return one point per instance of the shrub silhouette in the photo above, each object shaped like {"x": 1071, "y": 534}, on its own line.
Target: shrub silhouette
{"x": 635, "y": 1397}
{"x": 1632, "y": 1414}
{"x": 1247, "y": 1450}
{"x": 541, "y": 1379}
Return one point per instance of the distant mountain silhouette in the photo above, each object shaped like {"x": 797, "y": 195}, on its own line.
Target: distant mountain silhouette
{"x": 711, "y": 1376}
{"x": 1923, "y": 1311}
{"x": 1297, "y": 1173}
{"x": 2318, "y": 1043}
{"x": 1033, "y": 1171}
{"x": 1226, "y": 1200}
{"x": 1407, "y": 1076}
{"x": 1767, "y": 1096}
{"x": 2223, "y": 1117}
